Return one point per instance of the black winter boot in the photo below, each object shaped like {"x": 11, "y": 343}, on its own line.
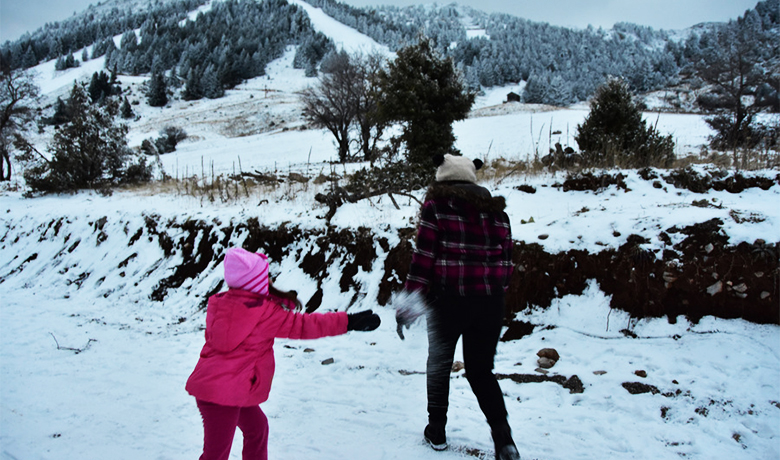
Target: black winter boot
{"x": 509, "y": 452}
{"x": 436, "y": 436}
{"x": 505, "y": 446}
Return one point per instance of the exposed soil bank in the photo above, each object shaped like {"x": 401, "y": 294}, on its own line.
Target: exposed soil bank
{"x": 700, "y": 275}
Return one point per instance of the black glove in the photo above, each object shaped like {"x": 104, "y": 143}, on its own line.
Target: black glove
{"x": 400, "y": 329}
{"x": 402, "y": 321}
{"x": 363, "y": 321}
{"x": 409, "y": 306}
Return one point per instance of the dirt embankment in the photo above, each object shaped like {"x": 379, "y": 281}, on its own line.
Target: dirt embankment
{"x": 701, "y": 275}
{"x": 154, "y": 257}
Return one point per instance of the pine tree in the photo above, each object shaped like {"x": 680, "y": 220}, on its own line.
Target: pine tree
{"x": 192, "y": 90}
{"x": 71, "y": 61}
{"x": 536, "y": 89}
{"x": 61, "y": 112}
{"x": 126, "y": 110}
{"x": 99, "y": 87}
{"x": 423, "y": 91}
{"x": 614, "y": 132}
{"x": 157, "y": 94}
{"x": 29, "y": 59}
{"x": 88, "y": 152}
{"x": 210, "y": 84}
{"x": 173, "y": 80}
{"x": 60, "y": 63}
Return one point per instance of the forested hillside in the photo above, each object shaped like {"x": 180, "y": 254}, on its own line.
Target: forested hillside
{"x": 220, "y": 47}
{"x": 232, "y": 41}
{"x": 561, "y": 65}
{"x": 92, "y": 27}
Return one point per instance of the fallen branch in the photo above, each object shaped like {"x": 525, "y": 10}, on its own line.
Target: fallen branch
{"x": 75, "y": 350}
{"x": 260, "y": 177}
{"x": 338, "y": 196}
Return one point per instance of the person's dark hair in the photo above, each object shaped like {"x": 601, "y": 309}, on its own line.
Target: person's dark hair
{"x": 289, "y": 298}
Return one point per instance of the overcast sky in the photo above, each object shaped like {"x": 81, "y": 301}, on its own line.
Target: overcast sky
{"x": 19, "y": 16}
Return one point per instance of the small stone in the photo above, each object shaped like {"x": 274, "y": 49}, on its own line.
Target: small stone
{"x": 541, "y": 371}
{"x": 764, "y": 295}
{"x": 715, "y": 288}
{"x": 640, "y": 373}
{"x": 709, "y": 248}
{"x": 599, "y": 372}
{"x": 308, "y": 350}
{"x": 544, "y": 236}
{"x": 545, "y": 363}
{"x": 636, "y": 388}
{"x": 551, "y": 353}
{"x": 328, "y": 361}
{"x": 742, "y": 287}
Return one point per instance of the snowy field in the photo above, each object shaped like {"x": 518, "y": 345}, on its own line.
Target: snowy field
{"x": 124, "y": 396}
{"x": 91, "y": 368}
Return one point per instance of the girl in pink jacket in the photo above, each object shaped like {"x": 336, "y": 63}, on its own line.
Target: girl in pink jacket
{"x": 236, "y": 366}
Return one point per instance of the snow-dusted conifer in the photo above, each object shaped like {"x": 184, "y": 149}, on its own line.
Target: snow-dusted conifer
{"x": 157, "y": 94}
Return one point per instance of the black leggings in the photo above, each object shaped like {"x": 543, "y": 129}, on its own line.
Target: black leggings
{"x": 478, "y": 319}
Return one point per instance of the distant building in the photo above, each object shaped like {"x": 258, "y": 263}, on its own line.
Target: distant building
{"x": 513, "y": 97}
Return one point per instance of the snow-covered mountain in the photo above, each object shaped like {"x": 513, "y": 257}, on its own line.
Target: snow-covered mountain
{"x": 102, "y": 298}
{"x": 561, "y": 66}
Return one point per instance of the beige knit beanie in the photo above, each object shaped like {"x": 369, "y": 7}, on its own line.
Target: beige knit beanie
{"x": 459, "y": 168}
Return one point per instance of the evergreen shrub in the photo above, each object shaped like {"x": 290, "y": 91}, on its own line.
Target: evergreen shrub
{"x": 88, "y": 152}
{"x": 614, "y": 133}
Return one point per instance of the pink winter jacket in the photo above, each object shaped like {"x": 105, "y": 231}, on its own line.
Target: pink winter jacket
{"x": 236, "y": 365}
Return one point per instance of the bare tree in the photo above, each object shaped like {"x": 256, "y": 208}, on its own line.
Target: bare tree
{"x": 368, "y": 125}
{"x": 734, "y": 69}
{"x": 345, "y": 100}
{"x": 18, "y": 93}
{"x": 333, "y": 103}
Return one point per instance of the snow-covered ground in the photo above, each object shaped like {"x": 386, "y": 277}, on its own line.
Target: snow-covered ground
{"x": 91, "y": 368}
{"x": 123, "y": 397}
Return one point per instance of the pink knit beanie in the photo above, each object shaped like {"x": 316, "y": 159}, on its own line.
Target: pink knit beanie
{"x": 246, "y": 270}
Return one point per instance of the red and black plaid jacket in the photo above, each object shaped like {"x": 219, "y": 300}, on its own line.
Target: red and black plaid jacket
{"x": 464, "y": 242}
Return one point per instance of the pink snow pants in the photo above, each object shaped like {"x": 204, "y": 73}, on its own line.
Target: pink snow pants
{"x": 219, "y": 427}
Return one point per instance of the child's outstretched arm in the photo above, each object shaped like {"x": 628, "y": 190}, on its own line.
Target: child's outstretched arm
{"x": 315, "y": 325}
{"x": 293, "y": 325}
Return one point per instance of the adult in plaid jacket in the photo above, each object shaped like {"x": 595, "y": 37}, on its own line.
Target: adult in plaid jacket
{"x": 462, "y": 264}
